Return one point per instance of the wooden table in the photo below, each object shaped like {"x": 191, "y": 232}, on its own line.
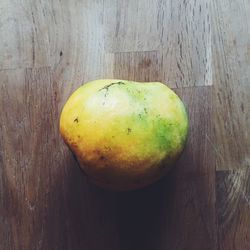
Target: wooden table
{"x": 200, "y": 48}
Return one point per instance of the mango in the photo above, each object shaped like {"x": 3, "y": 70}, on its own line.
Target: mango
{"x": 124, "y": 134}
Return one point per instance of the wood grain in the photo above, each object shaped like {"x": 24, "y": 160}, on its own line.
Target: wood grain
{"x": 231, "y": 101}
{"x": 233, "y": 194}
{"x": 49, "y": 48}
{"x": 231, "y": 78}
{"x": 166, "y": 28}
{"x": 138, "y": 66}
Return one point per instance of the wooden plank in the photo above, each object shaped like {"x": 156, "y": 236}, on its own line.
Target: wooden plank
{"x": 186, "y": 42}
{"x": 197, "y": 158}
{"x": 143, "y": 66}
{"x": 233, "y": 213}
{"x": 231, "y": 141}
{"x": 230, "y": 33}
{"x": 27, "y": 137}
{"x": 231, "y": 77}
{"x": 132, "y": 25}
{"x": 24, "y": 35}
{"x": 231, "y": 109}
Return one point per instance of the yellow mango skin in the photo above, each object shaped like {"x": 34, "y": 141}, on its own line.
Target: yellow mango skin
{"x": 124, "y": 134}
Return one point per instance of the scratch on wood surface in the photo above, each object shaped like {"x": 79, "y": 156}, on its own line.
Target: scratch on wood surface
{"x": 246, "y": 198}
{"x": 214, "y": 147}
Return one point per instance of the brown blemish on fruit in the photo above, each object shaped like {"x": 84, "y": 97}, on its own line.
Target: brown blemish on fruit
{"x": 129, "y": 130}
{"x": 102, "y": 158}
{"x": 97, "y": 152}
{"x": 107, "y": 148}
